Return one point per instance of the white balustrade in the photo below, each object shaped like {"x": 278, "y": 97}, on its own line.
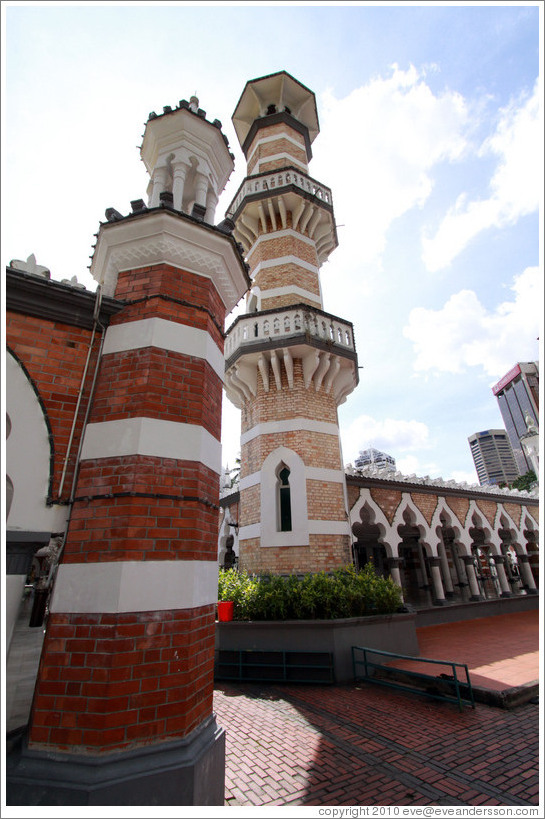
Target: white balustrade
{"x": 272, "y": 182}
{"x": 283, "y": 323}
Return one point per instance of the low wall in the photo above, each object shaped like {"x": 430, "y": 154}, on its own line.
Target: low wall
{"x": 436, "y": 615}
{"x": 389, "y": 632}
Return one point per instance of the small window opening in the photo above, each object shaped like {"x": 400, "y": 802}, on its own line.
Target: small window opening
{"x": 285, "y": 499}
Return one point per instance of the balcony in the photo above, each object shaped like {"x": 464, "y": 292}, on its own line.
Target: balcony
{"x": 277, "y": 325}
{"x": 268, "y": 343}
{"x": 276, "y": 182}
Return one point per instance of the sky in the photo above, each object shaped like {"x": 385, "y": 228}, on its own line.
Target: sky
{"x": 431, "y": 139}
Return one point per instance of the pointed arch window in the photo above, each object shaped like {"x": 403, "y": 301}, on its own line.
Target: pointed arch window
{"x": 284, "y": 499}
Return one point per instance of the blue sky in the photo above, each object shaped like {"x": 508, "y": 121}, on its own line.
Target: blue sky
{"x": 431, "y": 141}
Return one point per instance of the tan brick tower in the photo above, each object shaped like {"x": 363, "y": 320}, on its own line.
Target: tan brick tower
{"x": 122, "y": 713}
{"x": 289, "y": 364}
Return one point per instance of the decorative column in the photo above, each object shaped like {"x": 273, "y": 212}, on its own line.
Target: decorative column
{"x": 445, "y": 570}
{"x": 435, "y": 568}
{"x": 159, "y": 180}
{"x": 471, "y": 577}
{"x": 394, "y": 564}
{"x": 499, "y": 561}
{"x": 201, "y": 189}
{"x": 527, "y": 576}
{"x": 211, "y": 204}
{"x": 179, "y": 172}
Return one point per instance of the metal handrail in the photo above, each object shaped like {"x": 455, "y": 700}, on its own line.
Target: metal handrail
{"x": 368, "y": 664}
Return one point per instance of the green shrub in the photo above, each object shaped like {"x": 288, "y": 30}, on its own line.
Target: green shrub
{"x": 342, "y": 593}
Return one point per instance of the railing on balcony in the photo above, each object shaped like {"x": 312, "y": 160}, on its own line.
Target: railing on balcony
{"x": 272, "y": 182}
{"x": 277, "y": 324}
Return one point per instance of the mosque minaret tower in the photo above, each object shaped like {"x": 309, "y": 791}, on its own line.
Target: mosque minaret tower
{"x": 289, "y": 364}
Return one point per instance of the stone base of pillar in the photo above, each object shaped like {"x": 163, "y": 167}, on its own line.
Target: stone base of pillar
{"x": 506, "y": 594}
{"x": 530, "y": 591}
{"x": 184, "y": 772}
{"x": 438, "y": 602}
{"x": 476, "y": 598}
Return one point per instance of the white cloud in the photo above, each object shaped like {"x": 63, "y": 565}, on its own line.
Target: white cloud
{"x": 379, "y": 145}
{"x": 514, "y": 187}
{"x": 389, "y": 435}
{"x": 464, "y": 334}
{"x": 465, "y": 477}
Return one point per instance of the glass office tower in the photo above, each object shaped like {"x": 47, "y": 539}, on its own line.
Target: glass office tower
{"x": 518, "y": 394}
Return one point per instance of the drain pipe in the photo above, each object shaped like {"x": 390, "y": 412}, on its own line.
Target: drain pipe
{"x": 96, "y": 323}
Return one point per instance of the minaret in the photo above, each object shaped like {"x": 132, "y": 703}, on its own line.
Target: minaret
{"x": 289, "y": 364}
{"x": 123, "y": 706}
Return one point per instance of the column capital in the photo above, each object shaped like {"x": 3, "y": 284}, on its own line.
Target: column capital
{"x": 498, "y": 558}
{"x": 394, "y": 562}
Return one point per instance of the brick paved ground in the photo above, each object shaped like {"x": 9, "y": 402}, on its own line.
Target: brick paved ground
{"x": 365, "y": 745}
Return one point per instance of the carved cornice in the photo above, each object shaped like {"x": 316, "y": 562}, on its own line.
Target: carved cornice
{"x": 55, "y": 301}
{"x": 166, "y": 236}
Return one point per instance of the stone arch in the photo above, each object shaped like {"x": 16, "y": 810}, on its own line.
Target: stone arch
{"x": 29, "y": 451}
{"x": 408, "y": 513}
{"x": 485, "y": 547}
{"x": 370, "y": 545}
{"x": 448, "y": 529}
{"x": 367, "y": 500}
{"x": 418, "y": 562}
{"x": 270, "y": 533}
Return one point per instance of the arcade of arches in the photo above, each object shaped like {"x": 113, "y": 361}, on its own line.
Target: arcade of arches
{"x": 446, "y": 548}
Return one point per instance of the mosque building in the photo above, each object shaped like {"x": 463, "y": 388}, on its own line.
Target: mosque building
{"x": 117, "y": 511}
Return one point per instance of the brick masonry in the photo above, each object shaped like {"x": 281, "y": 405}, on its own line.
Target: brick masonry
{"x": 54, "y": 356}
{"x": 118, "y": 679}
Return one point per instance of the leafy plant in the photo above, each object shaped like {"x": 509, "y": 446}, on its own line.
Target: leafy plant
{"x": 342, "y": 593}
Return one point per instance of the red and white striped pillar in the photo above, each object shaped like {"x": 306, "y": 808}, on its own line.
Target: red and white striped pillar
{"x": 126, "y": 677}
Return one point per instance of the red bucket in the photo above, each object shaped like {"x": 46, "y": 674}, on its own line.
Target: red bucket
{"x": 225, "y": 611}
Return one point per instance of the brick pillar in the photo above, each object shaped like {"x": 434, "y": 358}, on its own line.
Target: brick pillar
{"x": 125, "y": 684}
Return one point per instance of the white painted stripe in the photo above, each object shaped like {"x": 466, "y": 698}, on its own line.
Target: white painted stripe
{"x": 315, "y": 527}
{"x": 328, "y": 527}
{"x": 312, "y": 473}
{"x": 166, "y": 335}
{"x": 274, "y": 292}
{"x": 287, "y": 158}
{"x": 123, "y": 586}
{"x": 281, "y": 234}
{"x": 266, "y": 139}
{"x": 154, "y": 437}
{"x": 283, "y": 260}
{"x": 289, "y": 425}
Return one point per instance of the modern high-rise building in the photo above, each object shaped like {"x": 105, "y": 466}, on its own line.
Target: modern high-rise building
{"x": 518, "y": 398}
{"x": 493, "y": 457}
{"x": 374, "y": 457}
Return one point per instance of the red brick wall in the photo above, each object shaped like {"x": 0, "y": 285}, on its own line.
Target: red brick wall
{"x": 109, "y": 681}
{"x": 54, "y": 355}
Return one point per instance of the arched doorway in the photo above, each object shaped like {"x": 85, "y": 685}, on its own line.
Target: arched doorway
{"x": 512, "y": 565}
{"x": 414, "y": 568}
{"x": 368, "y": 547}
{"x": 483, "y": 563}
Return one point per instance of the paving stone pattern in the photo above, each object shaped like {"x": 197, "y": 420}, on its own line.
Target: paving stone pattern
{"x": 364, "y": 745}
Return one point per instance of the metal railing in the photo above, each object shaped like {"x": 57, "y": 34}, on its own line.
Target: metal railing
{"x": 448, "y": 688}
